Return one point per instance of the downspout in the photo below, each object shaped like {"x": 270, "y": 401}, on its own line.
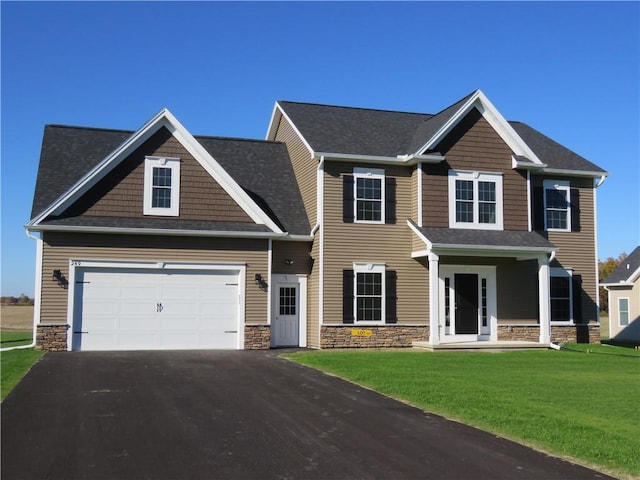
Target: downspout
{"x": 595, "y": 238}
{"x": 320, "y": 221}
{"x": 36, "y": 303}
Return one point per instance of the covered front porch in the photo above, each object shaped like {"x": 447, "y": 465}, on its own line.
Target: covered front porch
{"x": 487, "y": 289}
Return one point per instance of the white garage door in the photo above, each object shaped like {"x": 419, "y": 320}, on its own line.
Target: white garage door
{"x": 142, "y": 309}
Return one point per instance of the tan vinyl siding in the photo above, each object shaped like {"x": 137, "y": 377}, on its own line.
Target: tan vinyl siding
{"x": 296, "y": 252}
{"x": 631, "y": 332}
{"x": 313, "y": 322}
{"x": 576, "y": 250}
{"x": 304, "y": 166}
{"x": 59, "y": 248}
{"x": 346, "y": 243}
{"x": 474, "y": 145}
{"x": 121, "y": 192}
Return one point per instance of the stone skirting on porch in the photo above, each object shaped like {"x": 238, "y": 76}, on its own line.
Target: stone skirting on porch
{"x": 257, "y": 337}
{"x": 559, "y": 333}
{"x": 387, "y": 336}
{"x": 51, "y": 338}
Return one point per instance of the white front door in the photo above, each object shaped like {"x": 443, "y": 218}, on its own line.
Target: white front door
{"x": 286, "y": 315}
{"x": 468, "y": 303}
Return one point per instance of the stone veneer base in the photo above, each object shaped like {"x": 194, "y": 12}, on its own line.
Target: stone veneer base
{"x": 257, "y": 337}
{"x": 51, "y": 338}
{"x": 387, "y": 336}
{"x": 559, "y": 333}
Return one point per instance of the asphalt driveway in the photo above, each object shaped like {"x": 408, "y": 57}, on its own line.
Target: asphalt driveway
{"x": 236, "y": 415}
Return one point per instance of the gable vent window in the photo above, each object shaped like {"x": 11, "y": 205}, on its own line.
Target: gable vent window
{"x": 475, "y": 200}
{"x": 162, "y": 186}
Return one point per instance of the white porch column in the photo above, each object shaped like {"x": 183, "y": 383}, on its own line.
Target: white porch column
{"x": 434, "y": 299}
{"x": 545, "y": 299}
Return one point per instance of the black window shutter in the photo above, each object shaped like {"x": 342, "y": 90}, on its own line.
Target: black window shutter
{"x": 576, "y": 285}
{"x": 347, "y": 296}
{"x": 391, "y": 298}
{"x": 575, "y": 209}
{"x": 538, "y": 208}
{"x": 390, "y": 200}
{"x": 347, "y": 198}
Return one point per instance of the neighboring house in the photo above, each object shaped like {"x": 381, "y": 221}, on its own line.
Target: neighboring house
{"x": 623, "y": 288}
{"x": 346, "y": 227}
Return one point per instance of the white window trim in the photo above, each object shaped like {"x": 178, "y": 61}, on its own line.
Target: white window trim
{"x": 369, "y": 268}
{"x": 376, "y": 173}
{"x": 620, "y": 311}
{"x": 475, "y": 177}
{"x": 557, "y": 185}
{"x": 561, "y": 272}
{"x": 166, "y": 162}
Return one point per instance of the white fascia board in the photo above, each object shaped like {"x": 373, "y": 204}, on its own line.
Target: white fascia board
{"x": 420, "y": 235}
{"x": 278, "y": 113}
{"x": 496, "y": 120}
{"x": 406, "y": 160}
{"x": 165, "y": 231}
{"x": 491, "y": 250}
{"x": 575, "y": 173}
{"x": 526, "y": 164}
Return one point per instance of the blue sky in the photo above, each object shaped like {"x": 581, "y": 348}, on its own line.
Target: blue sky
{"x": 570, "y": 70}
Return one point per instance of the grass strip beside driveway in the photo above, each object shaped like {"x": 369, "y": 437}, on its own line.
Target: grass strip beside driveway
{"x": 15, "y": 364}
{"x": 579, "y": 406}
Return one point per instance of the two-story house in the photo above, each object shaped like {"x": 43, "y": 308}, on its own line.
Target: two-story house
{"x": 346, "y": 227}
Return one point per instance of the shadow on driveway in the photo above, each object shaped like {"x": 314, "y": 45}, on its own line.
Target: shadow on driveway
{"x": 236, "y": 415}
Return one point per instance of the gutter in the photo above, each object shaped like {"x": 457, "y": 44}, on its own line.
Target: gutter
{"x": 408, "y": 160}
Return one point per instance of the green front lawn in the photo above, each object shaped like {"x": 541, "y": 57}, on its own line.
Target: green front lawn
{"x": 581, "y": 406}
{"x": 15, "y": 364}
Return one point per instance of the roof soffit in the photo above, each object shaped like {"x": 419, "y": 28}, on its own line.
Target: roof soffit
{"x": 165, "y": 119}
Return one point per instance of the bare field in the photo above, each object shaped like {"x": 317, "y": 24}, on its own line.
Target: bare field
{"x": 16, "y": 317}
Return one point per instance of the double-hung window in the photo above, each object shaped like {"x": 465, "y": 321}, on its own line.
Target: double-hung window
{"x": 161, "y": 186}
{"x": 561, "y": 295}
{"x": 557, "y": 205}
{"x": 475, "y": 200}
{"x": 369, "y": 193}
{"x": 369, "y": 291}
{"x": 623, "y": 311}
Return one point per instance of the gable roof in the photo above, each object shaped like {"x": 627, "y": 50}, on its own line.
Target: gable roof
{"x": 72, "y": 154}
{"x": 163, "y": 119}
{"x": 628, "y": 270}
{"x": 384, "y": 133}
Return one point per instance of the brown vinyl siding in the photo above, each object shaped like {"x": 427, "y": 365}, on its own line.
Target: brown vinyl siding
{"x": 474, "y": 145}
{"x": 59, "y": 248}
{"x": 346, "y": 243}
{"x": 297, "y": 252}
{"x": 121, "y": 192}
{"x": 304, "y": 166}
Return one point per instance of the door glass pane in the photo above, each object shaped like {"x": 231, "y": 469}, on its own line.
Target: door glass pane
{"x": 287, "y": 300}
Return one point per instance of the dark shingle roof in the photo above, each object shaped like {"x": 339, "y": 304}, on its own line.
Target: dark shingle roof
{"x": 348, "y": 130}
{"x": 490, "y": 238}
{"x": 626, "y": 268}
{"x": 261, "y": 168}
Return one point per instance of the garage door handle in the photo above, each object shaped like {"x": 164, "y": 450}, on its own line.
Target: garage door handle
{"x": 159, "y": 307}
{"x": 231, "y": 331}
{"x": 80, "y": 332}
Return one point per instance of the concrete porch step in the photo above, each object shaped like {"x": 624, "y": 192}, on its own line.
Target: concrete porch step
{"x": 480, "y": 346}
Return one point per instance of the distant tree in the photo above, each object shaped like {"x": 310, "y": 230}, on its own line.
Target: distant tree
{"x": 605, "y": 267}
{"x": 24, "y": 300}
